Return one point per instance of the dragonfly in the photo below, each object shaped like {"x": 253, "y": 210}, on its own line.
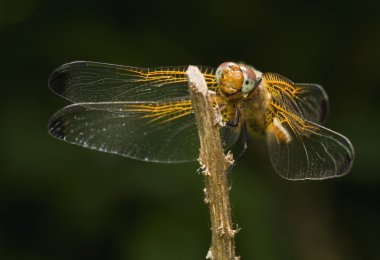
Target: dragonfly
{"x": 147, "y": 114}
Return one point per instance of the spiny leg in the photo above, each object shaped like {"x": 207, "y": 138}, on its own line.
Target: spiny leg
{"x": 244, "y": 136}
{"x": 232, "y": 122}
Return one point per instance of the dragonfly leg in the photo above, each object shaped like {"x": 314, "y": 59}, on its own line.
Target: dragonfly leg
{"x": 225, "y": 138}
{"x": 244, "y": 136}
{"x": 232, "y": 122}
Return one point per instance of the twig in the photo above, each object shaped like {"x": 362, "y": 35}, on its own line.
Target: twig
{"x": 215, "y": 165}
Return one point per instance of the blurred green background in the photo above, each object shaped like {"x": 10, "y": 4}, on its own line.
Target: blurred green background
{"x": 59, "y": 201}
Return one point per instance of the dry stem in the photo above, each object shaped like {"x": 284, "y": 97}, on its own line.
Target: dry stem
{"x": 215, "y": 165}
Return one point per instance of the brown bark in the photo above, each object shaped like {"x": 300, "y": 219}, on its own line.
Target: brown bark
{"x": 215, "y": 165}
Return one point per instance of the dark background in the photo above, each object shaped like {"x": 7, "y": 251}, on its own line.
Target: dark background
{"x": 59, "y": 201}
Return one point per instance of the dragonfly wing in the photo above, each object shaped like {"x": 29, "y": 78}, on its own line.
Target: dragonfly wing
{"x": 305, "y": 150}
{"x": 313, "y": 102}
{"x": 149, "y": 131}
{"x": 85, "y": 81}
{"x": 309, "y": 101}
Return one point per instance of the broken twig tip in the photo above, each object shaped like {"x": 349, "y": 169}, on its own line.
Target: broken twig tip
{"x": 196, "y": 80}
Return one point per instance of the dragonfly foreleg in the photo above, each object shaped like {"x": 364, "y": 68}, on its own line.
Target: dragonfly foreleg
{"x": 232, "y": 122}
{"x": 244, "y": 137}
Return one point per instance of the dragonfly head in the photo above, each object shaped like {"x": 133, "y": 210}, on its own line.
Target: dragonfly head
{"x": 234, "y": 78}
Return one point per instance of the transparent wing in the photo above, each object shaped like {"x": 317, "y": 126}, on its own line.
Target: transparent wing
{"x": 304, "y": 150}
{"x": 84, "y": 81}
{"x": 313, "y": 102}
{"x": 149, "y": 131}
{"x": 308, "y": 101}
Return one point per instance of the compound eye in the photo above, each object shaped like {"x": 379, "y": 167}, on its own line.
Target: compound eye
{"x": 249, "y": 82}
{"x": 248, "y": 86}
{"x": 218, "y": 75}
{"x": 221, "y": 68}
